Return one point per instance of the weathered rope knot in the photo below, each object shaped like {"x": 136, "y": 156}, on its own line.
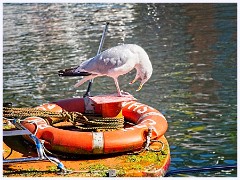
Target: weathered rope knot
{"x": 73, "y": 117}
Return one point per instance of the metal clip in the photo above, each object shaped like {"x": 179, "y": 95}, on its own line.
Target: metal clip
{"x": 111, "y": 173}
{"x": 150, "y": 141}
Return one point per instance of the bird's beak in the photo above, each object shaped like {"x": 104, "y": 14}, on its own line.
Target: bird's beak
{"x": 140, "y": 87}
{"x": 133, "y": 81}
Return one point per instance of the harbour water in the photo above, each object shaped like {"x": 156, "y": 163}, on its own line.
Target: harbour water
{"x": 193, "y": 49}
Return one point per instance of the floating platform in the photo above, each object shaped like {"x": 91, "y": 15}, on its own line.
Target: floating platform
{"x": 145, "y": 164}
{"x": 137, "y": 149}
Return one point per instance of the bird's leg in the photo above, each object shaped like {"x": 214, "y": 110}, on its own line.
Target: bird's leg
{"x": 118, "y": 88}
{"x": 121, "y": 93}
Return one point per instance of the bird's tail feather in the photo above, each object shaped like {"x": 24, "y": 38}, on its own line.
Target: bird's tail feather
{"x": 72, "y": 72}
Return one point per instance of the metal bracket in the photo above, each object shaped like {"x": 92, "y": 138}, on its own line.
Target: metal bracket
{"x": 111, "y": 173}
{"x": 89, "y": 106}
{"x": 40, "y": 150}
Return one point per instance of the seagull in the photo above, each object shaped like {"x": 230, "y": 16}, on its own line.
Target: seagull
{"x": 117, "y": 61}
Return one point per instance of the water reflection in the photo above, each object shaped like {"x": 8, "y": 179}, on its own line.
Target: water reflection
{"x": 192, "y": 48}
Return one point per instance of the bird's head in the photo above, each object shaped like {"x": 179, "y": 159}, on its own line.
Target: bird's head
{"x": 143, "y": 74}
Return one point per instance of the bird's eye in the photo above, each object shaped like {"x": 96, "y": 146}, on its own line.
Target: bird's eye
{"x": 145, "y": 76}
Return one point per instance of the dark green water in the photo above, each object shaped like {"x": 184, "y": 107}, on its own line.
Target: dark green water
{"x": 193, "y": 49}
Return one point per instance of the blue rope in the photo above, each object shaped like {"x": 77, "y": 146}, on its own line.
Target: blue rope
{"x": 200, "y": 169}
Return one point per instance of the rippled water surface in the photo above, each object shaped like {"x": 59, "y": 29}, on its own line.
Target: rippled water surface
{"x": 193, "y": 49}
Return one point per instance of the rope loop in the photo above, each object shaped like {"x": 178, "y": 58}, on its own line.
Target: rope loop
{"x": 90, "y": 123}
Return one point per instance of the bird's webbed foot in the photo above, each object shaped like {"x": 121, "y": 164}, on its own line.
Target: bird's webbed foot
{"x": 124, "y": 94}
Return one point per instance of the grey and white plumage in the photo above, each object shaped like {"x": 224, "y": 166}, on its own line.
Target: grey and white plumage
{"x": 117, "y": 61}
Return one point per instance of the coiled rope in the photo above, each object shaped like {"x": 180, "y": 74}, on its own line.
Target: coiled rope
{"x": 90, "y": 123}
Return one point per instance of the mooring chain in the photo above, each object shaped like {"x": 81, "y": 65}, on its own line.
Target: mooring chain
{"x": 90, "y": 123}
{"x": 148, "y": 142}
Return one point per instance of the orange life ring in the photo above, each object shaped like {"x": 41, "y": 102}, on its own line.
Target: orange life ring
{"x": 122, "y": 140}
